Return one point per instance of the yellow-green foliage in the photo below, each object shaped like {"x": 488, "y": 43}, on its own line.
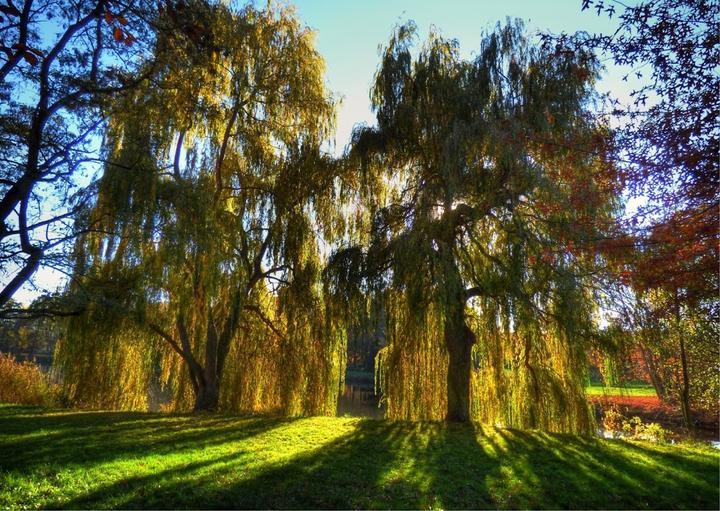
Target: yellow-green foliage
{"x": 412, "y": 368}
{"x": 474, "y": 200}
{"x": 296, "y": 374}
{"x": 24, "y": 383}
{"x": 105, "y": 365}
{"x": 535, "y": 384}
{"x": 208, "y": 224}
{"x": 616, "y": 423}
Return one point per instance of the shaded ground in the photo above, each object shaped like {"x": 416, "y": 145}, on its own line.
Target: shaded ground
{"x": 134, "y": 460}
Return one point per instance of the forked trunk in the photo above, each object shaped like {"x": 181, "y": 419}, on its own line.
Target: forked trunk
{"x": 204, "y": 380}
{"x": 207, "y": 393}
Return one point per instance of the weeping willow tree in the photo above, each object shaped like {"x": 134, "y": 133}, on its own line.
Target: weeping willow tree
{"x": 201, "y": 269}
{"x": 480, "y": 187}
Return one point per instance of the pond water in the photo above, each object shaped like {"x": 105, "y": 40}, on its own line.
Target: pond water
{"x": 360, "y": 401}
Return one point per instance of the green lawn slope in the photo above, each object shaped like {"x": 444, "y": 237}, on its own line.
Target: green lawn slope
{"x": 135, "y": 460}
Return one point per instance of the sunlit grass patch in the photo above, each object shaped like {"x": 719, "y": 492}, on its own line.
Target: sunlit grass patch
{"x": 625, "y": 390}
{"x": 131, "y": 460}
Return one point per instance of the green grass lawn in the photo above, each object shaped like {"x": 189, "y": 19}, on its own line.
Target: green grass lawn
{"x": 69, "y": 459}
{"x": 643, "y": 390}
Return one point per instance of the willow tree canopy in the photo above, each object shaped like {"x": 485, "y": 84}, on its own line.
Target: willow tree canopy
{"x": 202, "y": 269}
{"x": 479, "y": 186}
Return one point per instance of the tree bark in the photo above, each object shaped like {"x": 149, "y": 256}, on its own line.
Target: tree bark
{"x": 207, "y": 397}
{"x": 459, "y": 340}
{"x": 685, "y": 383}
{"x": 208, "y": 394}
{"x": 685, "y": 389}
{"x": 655, "y": 377}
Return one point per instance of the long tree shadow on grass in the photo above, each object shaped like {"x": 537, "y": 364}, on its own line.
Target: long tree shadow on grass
{"x": 461, "y": 467}
{"x": 364, "y": 468}
{"x": 227, "y": 462}
{"x": 398, "y": 465}
{"x": 567, "y": 471}
{"x": 91, "y": 438}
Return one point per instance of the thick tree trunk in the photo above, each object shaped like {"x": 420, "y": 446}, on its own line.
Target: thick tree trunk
{"x": 458, "y": 340}
{"x": 206, "y": 397}
{"x": 208, "y": 394}
{"x": 459, "y": 343}
{"x": 205, "y": 380}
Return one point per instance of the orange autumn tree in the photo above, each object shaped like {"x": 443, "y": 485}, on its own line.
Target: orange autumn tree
{"x": 667, "y": 146}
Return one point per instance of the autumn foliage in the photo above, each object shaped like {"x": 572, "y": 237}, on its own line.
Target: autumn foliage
{"x": 24, "y": 383}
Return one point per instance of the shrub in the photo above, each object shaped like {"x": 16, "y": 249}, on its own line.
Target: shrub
{"x": 619, "y": 425}
{"x": 24, "y": 383}
{"x": 612, "y": 420}
{"x": 651, "y": 431}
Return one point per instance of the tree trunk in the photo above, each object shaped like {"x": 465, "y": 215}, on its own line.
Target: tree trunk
{"x": 685, "y": 389}
{"x": 206, "y": 398}
{"x": 655, "y": 377}
{"x": 458, "y": 340}
{"x": 685, "y": 383}
{"x": 205, "y": 382}
{"x": 208, "y": 394}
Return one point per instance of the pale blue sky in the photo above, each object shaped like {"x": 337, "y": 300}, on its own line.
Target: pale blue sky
{"x": 348, "y": 34}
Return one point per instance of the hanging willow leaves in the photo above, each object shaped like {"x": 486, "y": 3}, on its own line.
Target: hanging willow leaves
{"x": 203, "y": 272}
{"x": 480, "y": 186}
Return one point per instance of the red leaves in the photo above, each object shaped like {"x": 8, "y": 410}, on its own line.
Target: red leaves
{"x": 30, "y": 58}
{"x": 547, "y": 256}
{"x": 571, "y": 248}
{"x": 625, "y": 277}
{"x": 31, "y": 55}
{"x": 120, "y": 35}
